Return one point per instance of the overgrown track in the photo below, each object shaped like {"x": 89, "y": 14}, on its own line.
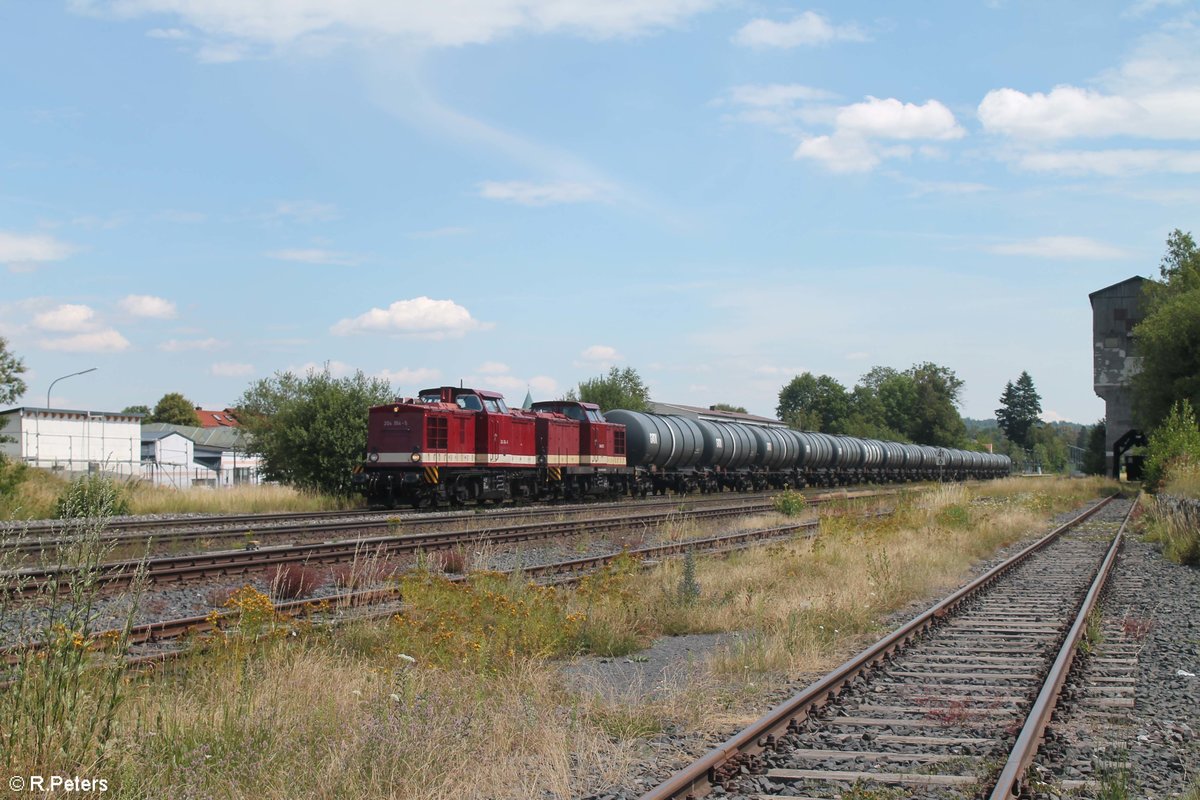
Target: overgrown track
{"x": 178, "y": 569}
{"x": 47, "y": 536}
{"x": 373, "y": 603}
{"x": 935, "y": 707}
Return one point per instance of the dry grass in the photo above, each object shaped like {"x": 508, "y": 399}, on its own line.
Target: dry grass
{"x": 1183, "y": 481}
{"x": 263, "y": 498}
{"x": 36, "y": 492}
{"x": 274, "y": 710}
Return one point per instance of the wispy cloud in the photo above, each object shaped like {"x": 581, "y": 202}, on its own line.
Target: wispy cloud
{"x": 806, "y": 29}
{"x": 1061, "y": 247}
{"x": 229, "y": 369}
{"x": 231, "y": 30}
{"x": 26, "y": 252}
{"x": 541, "y": 194}
{"x": 182, "y": 345}
{"x": 104, "y": 341}
{"x": 315, "y": 255}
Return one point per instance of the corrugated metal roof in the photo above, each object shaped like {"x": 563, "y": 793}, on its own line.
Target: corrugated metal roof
{"x": 217, "y": 438}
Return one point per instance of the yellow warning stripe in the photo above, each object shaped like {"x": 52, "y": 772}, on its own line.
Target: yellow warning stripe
{"x": 555, "y": 474}
{"x": 431, "y": 474}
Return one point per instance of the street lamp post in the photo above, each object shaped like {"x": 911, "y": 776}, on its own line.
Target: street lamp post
{"x": 56, "y": 380}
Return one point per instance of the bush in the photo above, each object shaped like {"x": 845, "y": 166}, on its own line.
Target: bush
{"x": 790, "y": 503}
{"x": 1174, "y": 445}
{"x": 93, "y": 496}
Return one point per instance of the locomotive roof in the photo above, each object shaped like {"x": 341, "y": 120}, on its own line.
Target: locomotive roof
{"x": 457, "y": 390}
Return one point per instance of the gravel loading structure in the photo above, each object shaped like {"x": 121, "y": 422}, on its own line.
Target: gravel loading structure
{"x": 933, "y": 721}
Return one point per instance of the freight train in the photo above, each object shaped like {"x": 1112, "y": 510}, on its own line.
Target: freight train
{"x": 452, "y": 445}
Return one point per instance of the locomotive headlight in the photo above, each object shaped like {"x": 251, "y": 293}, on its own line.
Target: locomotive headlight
{"x": 373, "y": 457}
{"x": 416, "y": 455}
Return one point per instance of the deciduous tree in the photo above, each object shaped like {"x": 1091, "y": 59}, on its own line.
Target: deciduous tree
{"x": 310, "y": 432}
{"x": 620, "y": 388}
{"x": 814, "y": 403}
{"x": 174, "y": 409}
{"x": 11, "y": 368}
{"x": 1168, "y": 338}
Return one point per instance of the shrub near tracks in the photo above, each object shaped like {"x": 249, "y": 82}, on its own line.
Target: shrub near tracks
{"x": 348, "y": 713}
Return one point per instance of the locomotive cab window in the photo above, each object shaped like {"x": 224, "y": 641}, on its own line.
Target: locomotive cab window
{"x": 469, "y": 402}
{"x": 491, "y": 406}
{"x": 573, "y": 412}
{"x": 594, "y": 415}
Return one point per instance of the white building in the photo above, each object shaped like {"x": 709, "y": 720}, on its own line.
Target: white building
{"x": 219, "y": 456}
{"x": 167, "y": 459}
{"x": 65, "y": 440}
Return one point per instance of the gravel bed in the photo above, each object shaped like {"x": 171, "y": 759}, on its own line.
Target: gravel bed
{"x": 1152, "y": 610}
{"x": 672, "y": 750}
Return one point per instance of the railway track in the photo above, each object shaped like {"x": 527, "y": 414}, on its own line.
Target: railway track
{"x": 953, "y": 704}
{"x": 203, "y": 566}
{"x": 147, "y": 641}
{"x": 47, "y": 535}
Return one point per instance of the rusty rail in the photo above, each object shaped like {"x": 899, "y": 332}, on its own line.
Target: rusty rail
{"x": 695, "y": 780}
{"x": 1010, "y": 782}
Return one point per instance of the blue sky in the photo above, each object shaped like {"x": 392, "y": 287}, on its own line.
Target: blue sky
{"x": 197, "y": 193}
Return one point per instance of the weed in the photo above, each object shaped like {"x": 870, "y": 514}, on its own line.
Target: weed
{"x": 1136, "y": 628}
{"x": 93, "y": 496}
{"x": 293, "y": 581}
{"x": 689, "y": 590}
{"x": 790, "y": 503}
{"x": 1093, "y": 631}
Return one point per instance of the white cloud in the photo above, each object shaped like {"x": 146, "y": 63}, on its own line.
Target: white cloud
{"x": 540, "y": 194}
{"x": 1153, "y": 94}
{"x": 809, "y": 28}
{"x": 145, "y": 305}
{"x": 227, "y": 369}
{"x": 67, "y": 318}
{"x": 601, "y": 354}
{"x": 863, "y": 134}
{"x": 493, "y": 368}
{"x": 420, "y": 316}
{"x": 891, "y": 119}
{"x": 1111, "y": 163}
{"x": 105, "y": 341}
{"x": 839, "y": 153}
{"x": 317, "y": 256}
{"x": 1061, "y": 247}
{"x": 181, "y": 345}
{"x": 24, "y": 252}
{"x": 1050, "y": 415}
{"x": 780, "y": 372}
{"x": 1065, "y": 112}
{"x": 234, "y": 25}
{"x": 420, "y": 378}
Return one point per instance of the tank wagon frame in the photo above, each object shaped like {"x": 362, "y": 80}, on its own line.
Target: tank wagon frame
{"x": 454, "y": 445}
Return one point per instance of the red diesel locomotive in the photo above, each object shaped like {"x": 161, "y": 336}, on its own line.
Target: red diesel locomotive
{"x": 454, "y": 445}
